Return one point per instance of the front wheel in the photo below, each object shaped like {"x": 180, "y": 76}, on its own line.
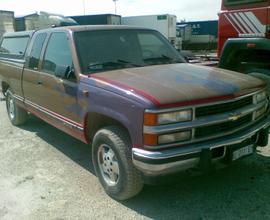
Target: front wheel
{"x": 111, "y": 154}
{"x": 16, "y": 114}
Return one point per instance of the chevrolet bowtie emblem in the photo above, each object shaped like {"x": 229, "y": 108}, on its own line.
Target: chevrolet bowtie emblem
{"x": 235, "y": 117}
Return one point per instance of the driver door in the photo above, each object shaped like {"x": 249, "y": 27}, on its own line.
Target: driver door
{"x": 58, "y": 95}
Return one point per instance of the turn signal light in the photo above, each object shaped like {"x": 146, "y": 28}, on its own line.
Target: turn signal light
{"x": 150, "y": 119}
{"x": 251, "y": 45}
{"x": 150, "y": 139}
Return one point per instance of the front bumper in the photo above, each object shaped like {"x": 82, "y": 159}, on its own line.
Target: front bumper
{"x": 153, "y": 163}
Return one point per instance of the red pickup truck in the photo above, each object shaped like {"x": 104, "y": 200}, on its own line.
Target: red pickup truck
{"x": 130, "y": 94}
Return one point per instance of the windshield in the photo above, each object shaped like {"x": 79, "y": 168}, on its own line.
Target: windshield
{"x": 103, "y": 50}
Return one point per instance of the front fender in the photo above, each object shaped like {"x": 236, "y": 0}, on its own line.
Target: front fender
{"x": 127, "y": 112}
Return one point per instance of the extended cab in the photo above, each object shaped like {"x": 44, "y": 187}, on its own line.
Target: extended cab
{"x": 130, "y": 94}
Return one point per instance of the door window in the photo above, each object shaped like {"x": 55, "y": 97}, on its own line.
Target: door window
{"x": 14, "y": 45}
{"x": 36, "y": 51}
{"x": 58, "y": 54}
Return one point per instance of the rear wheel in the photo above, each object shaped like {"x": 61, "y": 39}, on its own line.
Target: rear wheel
{"x": 112, "y": 160}
{"x": 16, "y": 114}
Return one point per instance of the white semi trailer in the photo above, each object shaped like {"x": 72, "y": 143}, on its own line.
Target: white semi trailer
{"x": 165, "y": 24}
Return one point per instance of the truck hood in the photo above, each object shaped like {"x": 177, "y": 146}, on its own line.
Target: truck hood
{"x": 180, "y": 84}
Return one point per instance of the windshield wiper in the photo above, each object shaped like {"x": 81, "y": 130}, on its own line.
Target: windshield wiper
{"x": 113, "y": 64}
{"x": 163, "y": 58}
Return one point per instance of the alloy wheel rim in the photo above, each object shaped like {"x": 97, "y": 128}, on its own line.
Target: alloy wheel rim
{"x": 11, "y": 108}
{"x": 108, "y": 165}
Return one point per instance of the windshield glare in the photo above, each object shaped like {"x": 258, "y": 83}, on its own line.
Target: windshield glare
{"x": 102, "y": 50}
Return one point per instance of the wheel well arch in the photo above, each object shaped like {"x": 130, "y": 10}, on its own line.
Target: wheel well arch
{"x": 95, "y": 121}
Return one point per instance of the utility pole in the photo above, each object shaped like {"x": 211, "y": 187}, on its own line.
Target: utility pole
{"x": 115, "y": 8}
{"x": 84, "y": 7}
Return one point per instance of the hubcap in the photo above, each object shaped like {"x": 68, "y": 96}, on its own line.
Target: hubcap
{"x": 11, "y": 108}
{"x": 108, "y": 165}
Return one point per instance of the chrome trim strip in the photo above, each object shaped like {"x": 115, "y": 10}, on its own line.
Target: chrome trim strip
{"x": 196, "y": 148}
{"x": 18, "y": 97}
{"x": 153, "y": 169}
{"x": 203, "y": 121}
{"x": 12, "y": 60}
{"x": 177, "y": 144}
{"x": 41, "y": 109}
{"x": 155, "y": 155}
{"x": 201, "y": 105}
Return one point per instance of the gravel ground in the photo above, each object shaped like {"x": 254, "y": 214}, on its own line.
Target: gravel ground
{"x": 46, "y": 174}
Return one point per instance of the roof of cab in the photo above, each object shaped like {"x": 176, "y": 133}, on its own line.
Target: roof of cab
{"x": 77, "y": 28}
{"x": 18, "y": 34}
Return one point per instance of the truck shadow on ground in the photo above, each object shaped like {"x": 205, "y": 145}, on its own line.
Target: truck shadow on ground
{"x": 71, "y": 147}
{"x": 240, "y": 191}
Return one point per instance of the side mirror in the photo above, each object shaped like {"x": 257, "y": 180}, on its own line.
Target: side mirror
{"x": 65, "y": 72}
{"x": 61, "y": 71}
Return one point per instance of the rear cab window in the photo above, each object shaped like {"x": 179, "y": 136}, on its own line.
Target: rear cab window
{"x": 14, "y": 47}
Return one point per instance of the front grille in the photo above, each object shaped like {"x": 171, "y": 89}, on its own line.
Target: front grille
{"x": 212, "y": 130}
{"x": 224, "y": 107}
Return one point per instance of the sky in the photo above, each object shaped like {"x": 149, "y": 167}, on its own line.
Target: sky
{"x": 189, "y": 10}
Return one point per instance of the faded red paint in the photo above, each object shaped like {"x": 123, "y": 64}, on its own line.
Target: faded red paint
{"x": 176, "y": 85}
{"x": 129, "y": 88}
{"x": 72, "y": 132}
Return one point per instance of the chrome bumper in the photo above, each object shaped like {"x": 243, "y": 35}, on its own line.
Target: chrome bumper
{"x": 173, "y": 160}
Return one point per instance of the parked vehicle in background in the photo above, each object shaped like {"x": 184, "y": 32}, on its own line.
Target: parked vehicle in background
{"x": 42, "y": 20}
{"x": 244, "y": 37}
{"x": 128, "y": 91}
{"x": 199, "y": 35}
{"x": 6, "y": 22}
{"x": 165, "y": 24}
{"x": 101, "y": 19}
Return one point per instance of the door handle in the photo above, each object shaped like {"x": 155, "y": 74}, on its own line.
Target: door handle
{"x": 85, "y": 93}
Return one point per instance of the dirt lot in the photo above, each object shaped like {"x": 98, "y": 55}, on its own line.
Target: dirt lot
{"x": 45, "y": 174}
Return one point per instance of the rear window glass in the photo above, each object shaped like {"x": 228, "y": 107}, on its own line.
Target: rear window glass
{"x": 14, "y": 45}
{"x": 241, "y": 2}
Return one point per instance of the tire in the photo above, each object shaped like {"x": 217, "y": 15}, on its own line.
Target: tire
{"x": 16, "y": 114}
{"x": 111, "y": 156}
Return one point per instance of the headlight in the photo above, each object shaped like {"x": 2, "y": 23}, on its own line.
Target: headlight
{"x": 174, "y": 117}
{"x": 175, "y": 137}
{"x": 167, "y": 118}
{"x": 261, "y": 111}
{"x": 155, "y": 139}
{"x": 260, "y": 97}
